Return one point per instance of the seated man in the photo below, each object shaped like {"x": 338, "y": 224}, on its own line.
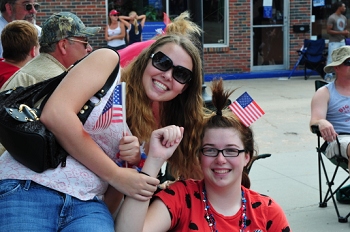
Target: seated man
{"x": 20, "y": 43}
{"x": 330, "y": 105}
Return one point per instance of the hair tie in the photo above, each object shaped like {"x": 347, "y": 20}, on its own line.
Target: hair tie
{"x": 219, "y": 112}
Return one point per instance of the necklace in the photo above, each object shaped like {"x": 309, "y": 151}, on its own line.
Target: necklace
{"x": 210, "y": 217}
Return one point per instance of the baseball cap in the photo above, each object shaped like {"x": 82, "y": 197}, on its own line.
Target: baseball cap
{"x": 113, "y": 12}
{"x": 339, "y": 55}
{"x": 62, "y": 25}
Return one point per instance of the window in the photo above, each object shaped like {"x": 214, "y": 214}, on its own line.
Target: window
{"x": 215, "y": 15}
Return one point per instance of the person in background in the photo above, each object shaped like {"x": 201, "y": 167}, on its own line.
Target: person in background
{"x": 219, "y": 202}
{"x": 64, "y": 41}
{"x": 330, "y": 106}
{"x": 181, "y": 25}
{"x": 336, "y": 29}
{"x": 115, "y": 32}
{"x": 134, "y": 28}
{"x": 20, "y": 43}
{"x": 18, "y": 10}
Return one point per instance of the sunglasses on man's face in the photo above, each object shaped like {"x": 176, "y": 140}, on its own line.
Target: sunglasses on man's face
{"x": 85, "y": 42}
{"x": 29, "y": 6}
{"x": 346, "y": 63}
{"x": 163, "y": 63}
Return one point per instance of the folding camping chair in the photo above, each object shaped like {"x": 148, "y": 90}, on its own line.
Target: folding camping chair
{"x": 339, "y": 162}
{"x": 312, "y": 56}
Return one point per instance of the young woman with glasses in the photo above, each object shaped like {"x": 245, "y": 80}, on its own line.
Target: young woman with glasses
{"x": 115, "y": 32}
{"x": 221, "y": 201}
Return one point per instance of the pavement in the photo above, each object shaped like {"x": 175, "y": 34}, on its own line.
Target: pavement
{"x": 290, "y": 175}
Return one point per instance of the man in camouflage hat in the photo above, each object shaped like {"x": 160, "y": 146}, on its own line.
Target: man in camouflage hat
{"x": 63, "y": 41}
{"x": 330, "y": 105}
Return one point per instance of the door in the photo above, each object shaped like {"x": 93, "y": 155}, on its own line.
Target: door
{"x": 269, "y": 41}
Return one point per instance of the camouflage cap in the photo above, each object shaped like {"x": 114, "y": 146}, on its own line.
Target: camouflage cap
{"x": 63, "y": 25}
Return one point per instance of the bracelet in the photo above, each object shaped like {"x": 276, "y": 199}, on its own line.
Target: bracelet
{"x": 144, "y": 173}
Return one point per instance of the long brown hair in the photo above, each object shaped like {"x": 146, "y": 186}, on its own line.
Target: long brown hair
{"x": 184, "y": 110}
{"x": 222, "y": 117}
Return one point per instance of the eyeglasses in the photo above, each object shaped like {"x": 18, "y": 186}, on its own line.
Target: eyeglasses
{"x": 227, "y": 152}
{"x": 346, "y": 63}
{"x": 29, "y": 6}
{"x": 79, "y": 41}
{"x": 115, "y": 15}
{"x": 164, "y": 63}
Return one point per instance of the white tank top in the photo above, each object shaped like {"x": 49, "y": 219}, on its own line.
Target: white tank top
{"x": 115, "y": 42}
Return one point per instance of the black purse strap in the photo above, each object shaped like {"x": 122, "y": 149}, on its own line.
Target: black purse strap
{"x": 89, "y": 105}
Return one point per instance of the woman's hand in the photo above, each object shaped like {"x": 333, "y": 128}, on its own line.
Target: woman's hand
{"x": 129, "y": 147}
{"x": 162, "y": 145}
{"x": 136, "y": 185}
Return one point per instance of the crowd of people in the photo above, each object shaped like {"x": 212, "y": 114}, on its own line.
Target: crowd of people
{"x": 206, "y": 152}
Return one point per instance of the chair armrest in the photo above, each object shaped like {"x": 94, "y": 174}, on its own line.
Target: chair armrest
{"x": 315, "y": 130}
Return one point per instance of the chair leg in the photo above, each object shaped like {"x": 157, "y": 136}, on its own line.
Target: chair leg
{"x": 330, "y": 194}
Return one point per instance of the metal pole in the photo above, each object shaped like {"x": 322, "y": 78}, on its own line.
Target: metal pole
{"x": 195, "y": 8}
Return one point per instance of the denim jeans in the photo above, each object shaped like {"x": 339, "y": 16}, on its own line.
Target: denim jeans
{"x": 28, "y": 206}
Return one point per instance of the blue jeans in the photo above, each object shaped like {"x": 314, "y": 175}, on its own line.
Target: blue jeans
{"x": 28, "y": 206}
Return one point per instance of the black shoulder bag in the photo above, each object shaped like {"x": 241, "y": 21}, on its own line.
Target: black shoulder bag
{"x": 23, "y": 134}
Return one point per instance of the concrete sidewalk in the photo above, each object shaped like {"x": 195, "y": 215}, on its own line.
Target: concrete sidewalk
{"x": 290, "y": 175}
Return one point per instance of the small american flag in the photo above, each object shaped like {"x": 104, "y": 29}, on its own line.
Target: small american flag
{"x": 113, "y": 112}
{"x": 246, "y": 109}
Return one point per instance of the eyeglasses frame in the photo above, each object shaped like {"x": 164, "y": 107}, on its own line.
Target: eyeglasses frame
{"x": 86, "y": 43}
{"x": 222, "y": 152}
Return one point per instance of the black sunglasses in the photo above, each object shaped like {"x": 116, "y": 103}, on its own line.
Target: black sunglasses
{"x": 29, "y": 6}
{"x": 115, "y": 15}
{"x": 346, "y": 63}
{"x": 164, "y": 63}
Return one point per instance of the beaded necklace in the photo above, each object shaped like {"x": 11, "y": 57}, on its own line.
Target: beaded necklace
{"x": 210, "y": 217}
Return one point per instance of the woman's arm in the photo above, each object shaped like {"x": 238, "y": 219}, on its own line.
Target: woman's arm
{"x": 125, "y": 20}
{"x": 143, "y": 20}
{"x": 60, "y": 116}
{"x": 106, "y": 34}
{"x": 163, "y": 143}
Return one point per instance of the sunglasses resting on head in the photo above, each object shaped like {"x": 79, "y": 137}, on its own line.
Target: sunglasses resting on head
{"x": 163, "y": 63}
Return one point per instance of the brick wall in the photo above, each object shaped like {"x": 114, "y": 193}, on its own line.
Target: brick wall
{"x": 235, "y": 58}
{"x": 92, "y": 13}
{"x": 300, "y": 14}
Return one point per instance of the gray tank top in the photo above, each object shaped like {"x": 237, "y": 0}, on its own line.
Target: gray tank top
{"x": 338, "y": 110}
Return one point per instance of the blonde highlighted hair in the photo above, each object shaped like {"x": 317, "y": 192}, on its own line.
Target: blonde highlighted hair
{"x": 134, "y": 22}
